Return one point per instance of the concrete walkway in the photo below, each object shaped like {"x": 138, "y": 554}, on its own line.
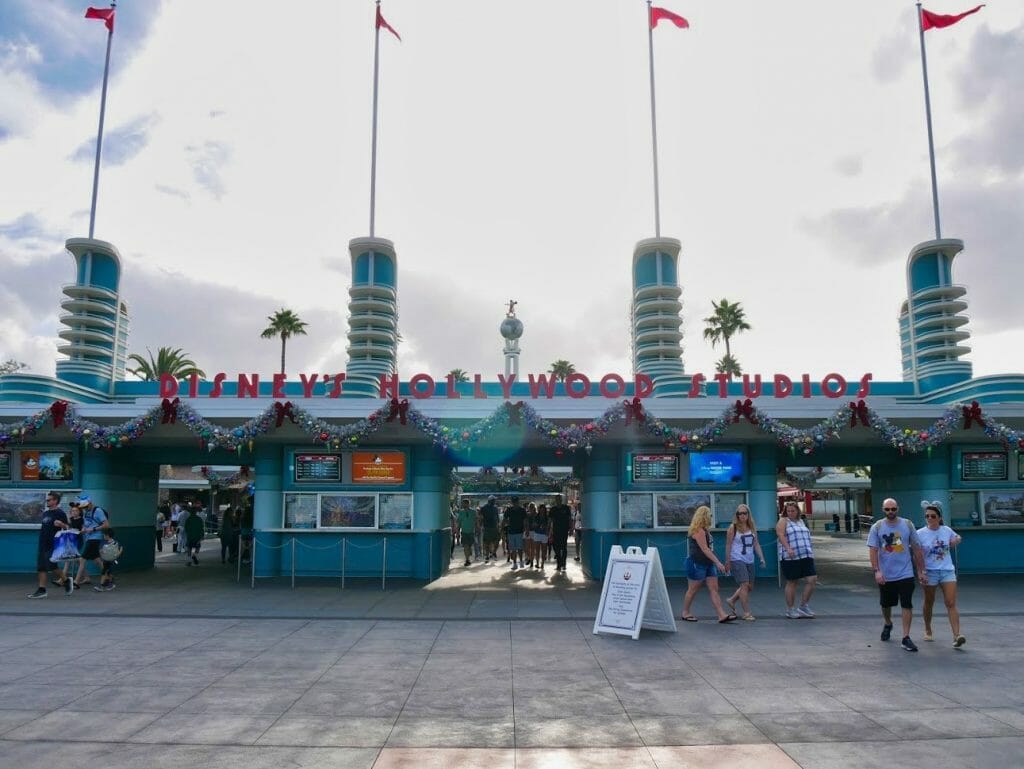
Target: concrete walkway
{"x": 490, "y": 668}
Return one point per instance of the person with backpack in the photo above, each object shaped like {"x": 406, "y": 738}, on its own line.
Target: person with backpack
{"x": 94, "y": 521}
{"x": 895, "y": 550}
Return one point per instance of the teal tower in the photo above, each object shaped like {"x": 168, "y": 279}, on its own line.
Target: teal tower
{"x": 95, "y": 340}
{"x": 932, "y": 320}
{"x": 372, "y": 316}
{"x": 655, "y": 315}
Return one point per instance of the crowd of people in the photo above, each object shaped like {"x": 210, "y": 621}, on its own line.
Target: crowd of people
{"x": 187, "y": 525}
{"x": 529, "y": 535}
{"x": 901, "y": 556}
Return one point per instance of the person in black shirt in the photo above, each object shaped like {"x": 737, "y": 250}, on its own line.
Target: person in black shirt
{"x": 54, "y": 519}
{"x": 489, "y": 523}
{"x": 561, "y": 522}
{"x": 515, "y": 519}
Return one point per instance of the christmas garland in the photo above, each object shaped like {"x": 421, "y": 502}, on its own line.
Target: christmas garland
{"x": 509, "y": 416}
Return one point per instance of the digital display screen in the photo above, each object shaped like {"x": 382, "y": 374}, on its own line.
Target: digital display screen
{"x": 725, "y": 467}
{"x": 656, "y": 468}
{"x": 47, "y": 466}
{"x": 983, "y": 466}
{"x": 5, "y": 465}
{"x": 378, "y": 467}
{"x": 317, "y": 468}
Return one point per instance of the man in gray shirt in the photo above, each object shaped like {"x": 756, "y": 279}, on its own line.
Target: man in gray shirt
{"x": 895, "y": 550}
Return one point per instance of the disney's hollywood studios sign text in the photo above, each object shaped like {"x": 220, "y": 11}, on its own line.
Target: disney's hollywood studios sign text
{"x": 576, "y": 385}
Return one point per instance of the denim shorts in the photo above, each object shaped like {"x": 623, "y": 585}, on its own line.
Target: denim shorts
{"x": 938, "y": 576}
{"x": 698, "y": 572}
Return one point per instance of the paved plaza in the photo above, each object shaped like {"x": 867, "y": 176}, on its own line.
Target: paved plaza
{"x": 186, "y": 667}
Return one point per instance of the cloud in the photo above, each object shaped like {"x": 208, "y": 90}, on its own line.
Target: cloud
{"x": 990, "y": 88}
{"x": 120, "y": 144}
{"x": 207, "y": 161}
{"x": 849, "y": 165}
{"x": 891, "y": 56}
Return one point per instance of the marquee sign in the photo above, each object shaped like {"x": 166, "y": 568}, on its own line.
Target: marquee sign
{"x": 576, "y": 385}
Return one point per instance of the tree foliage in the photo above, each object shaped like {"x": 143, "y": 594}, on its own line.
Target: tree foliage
{"x": 284, "y": 324}
{"x": 561, "y": 369}
{"x": 723, "y": 324}
{"x": 168, "y": 360}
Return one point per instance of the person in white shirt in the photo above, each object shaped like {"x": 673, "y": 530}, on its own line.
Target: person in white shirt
{"x": 936, "y": 541}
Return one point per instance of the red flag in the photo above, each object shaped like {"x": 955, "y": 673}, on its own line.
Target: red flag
{"x": 382, "y": 23}
{"x": 931, "y": 20}
{"x": 657, "y": 14}
{"x": 107, "y": 14}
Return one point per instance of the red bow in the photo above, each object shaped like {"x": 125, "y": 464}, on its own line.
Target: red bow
{"x": 744, "y": 409}
{"x": 169, "y": 410}
{"x": 399, "y": 408}
{"x": 283, "y": 410}
{"x": 973, "y": 412}
{"x": 57, "y": 411}
{"x": 634, "y": 410}
{"x": 859, "y": 410}
{"x": 515, "y": 413}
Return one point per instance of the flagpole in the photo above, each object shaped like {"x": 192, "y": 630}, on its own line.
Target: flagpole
{"x": 373, "y": 147}
{"x": 99, "y": 135}
{"x": 654, "y": 124}
{"x": 928, "y": 116}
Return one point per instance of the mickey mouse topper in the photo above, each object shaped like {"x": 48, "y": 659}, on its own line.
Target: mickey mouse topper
{"x": 925, "y": 504}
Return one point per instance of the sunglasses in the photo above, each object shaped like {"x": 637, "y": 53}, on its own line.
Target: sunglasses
{"x": 931, "y": 515}
{"x": 891, "y": 509}
{"x": 742, "y": 512}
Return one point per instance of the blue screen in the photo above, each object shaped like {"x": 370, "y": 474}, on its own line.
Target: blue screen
{"x": 716, "y": 467}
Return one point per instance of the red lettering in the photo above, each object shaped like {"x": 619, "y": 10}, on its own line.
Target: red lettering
{"x": 218, "y": 385}
{"x": 336, "y": 390}
{"x": 478, "y": 390}
{"x": 451, "y": 391}
{"x": 542, "y": 381}
{"x": 695, "y": 382}
{"x": 419, "y": 379}
{"x": 389, "y": 386}
{"x": 839, "y": 380}
{"x": 193, "y": 386}
{"x": 752, "y": 392}
{"x": 805, "y": 392}
{"x": 308, "y": 384}
{"x": 168, "y": 386}
{"x": 606, "y": 391}
{"x": 723, "y": 381}
{"x": 865, "y": 386}
{"x": 248, "y": 388}
{"x": 783, "y": 386}
{"x": 572, "y": 379}
{"x": 643, "y": 386}
{"x": 506, "y": 385}
{"x": 278, "y": 389}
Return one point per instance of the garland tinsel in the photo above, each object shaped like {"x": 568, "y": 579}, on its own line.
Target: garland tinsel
{"x": 509, "y": 416}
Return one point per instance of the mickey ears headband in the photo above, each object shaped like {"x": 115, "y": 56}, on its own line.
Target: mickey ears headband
{"x": 925, "y": 504}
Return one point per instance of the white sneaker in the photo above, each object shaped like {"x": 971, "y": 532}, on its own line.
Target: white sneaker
{"x": 514, "y": 566}
{"x": 805, "y": 611}
{"x": 792, "y": 614}
{"x": 928, "y": 636}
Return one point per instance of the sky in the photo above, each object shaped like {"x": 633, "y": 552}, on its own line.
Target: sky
{"x": 514, "y": 163}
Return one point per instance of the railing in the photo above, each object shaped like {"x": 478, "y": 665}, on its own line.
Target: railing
{"x": 294, "y": 543}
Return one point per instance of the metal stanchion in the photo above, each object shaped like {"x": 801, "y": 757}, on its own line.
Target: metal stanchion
{"x": 344, "y": 552}
{"x": 384, "y": 566}
{"x": 238, "y": 557}
{"x": 252, "y": 561}
{"x": 293, "y": 563}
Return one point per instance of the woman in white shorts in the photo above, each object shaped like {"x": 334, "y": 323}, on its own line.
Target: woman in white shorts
{"x": 936, "y": 540}
{"x": 741, "y": 544}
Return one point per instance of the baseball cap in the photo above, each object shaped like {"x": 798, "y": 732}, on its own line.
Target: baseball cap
{"x": 84, "y": 499}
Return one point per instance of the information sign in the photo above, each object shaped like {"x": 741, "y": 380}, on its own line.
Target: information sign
{"x": 378, "y": 467}
{"x": 634, "y": 594}
{"x": 983, "y": 466}
{"x": 655, "y": 468}
{"x": 317, "y": 468}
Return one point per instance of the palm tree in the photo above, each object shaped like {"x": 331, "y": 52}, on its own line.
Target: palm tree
{"x": 727, "y": 321}
{"x": 11, "y": 365}
{"x": 284, "y": 323}
{"x": 168, "y": 360}
{"x": 458, "y": 375}
{"x": 728, "y": 365}
{"x": 561, "y": 369}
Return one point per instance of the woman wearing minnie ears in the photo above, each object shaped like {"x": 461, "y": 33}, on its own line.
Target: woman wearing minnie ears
{"x": 936, "y": 540}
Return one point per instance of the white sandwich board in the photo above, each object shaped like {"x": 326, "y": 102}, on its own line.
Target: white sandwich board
{"x": 634, "y": 594}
